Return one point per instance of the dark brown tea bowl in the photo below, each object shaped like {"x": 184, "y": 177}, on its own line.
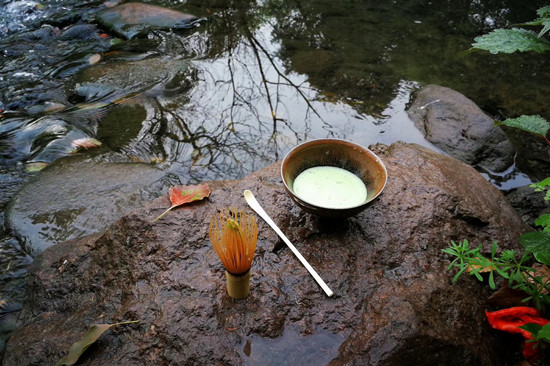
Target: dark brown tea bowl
{"x": 335, "y": 153}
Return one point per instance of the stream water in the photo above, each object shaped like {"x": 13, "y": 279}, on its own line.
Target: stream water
{"x": 237, "y": 92}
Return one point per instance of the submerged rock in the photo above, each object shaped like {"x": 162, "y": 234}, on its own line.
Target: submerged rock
{"x": 108, "y": 82}
{"x": 43, "y": 139}
{"x": 457, "y": 126}
{"x": 77, "y": 196}
{"x": 83, "y": 32}
{"x": 394, "y": 303}
{"x": 131, "y": 19}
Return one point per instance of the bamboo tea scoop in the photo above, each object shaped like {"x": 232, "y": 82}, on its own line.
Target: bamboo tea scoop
{"x": 253, "y": 203}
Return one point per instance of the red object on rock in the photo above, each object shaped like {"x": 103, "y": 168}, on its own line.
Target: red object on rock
{"x": 510, "y": 320}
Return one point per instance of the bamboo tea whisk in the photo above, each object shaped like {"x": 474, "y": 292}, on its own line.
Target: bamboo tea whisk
{"x": 234, "y": 235}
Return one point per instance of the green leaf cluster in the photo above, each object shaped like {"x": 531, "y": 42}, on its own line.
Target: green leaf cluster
{"x": 543, "y": 20}
{"x": 532, "y": 124}
{"x": 540, "y": 333}
{"x": 542, "y": 187}
{"x": 510, "y": 41}
{"x": 522, "y": 40}
{"x": 517, "y": 39}
{"x": 536, "y": 244}
{"x": 519, "y": 274}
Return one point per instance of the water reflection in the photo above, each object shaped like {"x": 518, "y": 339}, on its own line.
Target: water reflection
{"x": 292, "y": 348}
{"x": 269, "y": 75}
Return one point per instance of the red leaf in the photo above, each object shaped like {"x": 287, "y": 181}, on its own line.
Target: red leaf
{"x": 180, "y": 195}
{"x": 510, "y": 320}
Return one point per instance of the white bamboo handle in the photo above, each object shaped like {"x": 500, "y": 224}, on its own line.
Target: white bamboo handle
{"x": 253, "y": 203}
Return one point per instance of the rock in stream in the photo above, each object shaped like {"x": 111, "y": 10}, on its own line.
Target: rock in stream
{"x": 460, "y": 128}
{"x": 131, "y": 19}
{"x": 77, "y": 196}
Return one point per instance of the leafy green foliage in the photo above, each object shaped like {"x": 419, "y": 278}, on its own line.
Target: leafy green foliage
{"x": 544, "y": 12}
{"x": 517, "y": 272}
{"x": 543, "y": 20}
{"x": 533, "y": 124}
{"x": 544, "y": 333}
{"x": 517, "y": 39}
{"x": 540, "y": 333}
{"x": 519, "y": 275}
{"x": 544, "y": 221}
{"x": 510, "y": 41}
{"x": 542, "y": 187}
{"x": 537, "y": 243}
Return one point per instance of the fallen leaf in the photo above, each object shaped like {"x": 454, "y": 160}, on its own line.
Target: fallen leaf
{"x": 111, "y": 53}
{"x": 35, "y": 166}
{"x": 78, "y": 348}
{"x": 471, "y": 267}
{"x": 507, "y": 297}
{"x": 180, "y": 195}
{"x": 85, "y": 143}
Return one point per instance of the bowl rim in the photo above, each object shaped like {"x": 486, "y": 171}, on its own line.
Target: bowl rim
{"x": 338, "y": 141}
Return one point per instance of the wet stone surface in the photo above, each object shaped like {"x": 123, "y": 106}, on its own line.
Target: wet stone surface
{"x": 78, "y": 196}
{"x": 455, "y": 124}
{"x": 132, "y": 19}
{"x": 394, "y": 303}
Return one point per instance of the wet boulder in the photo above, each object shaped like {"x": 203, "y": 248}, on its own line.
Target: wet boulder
{"x": 110, "y": 82}
{"x": 84, "y": 32}
{"x": 132, "y": 19}
{"x": 39, "y": 140}
{"x": 77, "y": 196}
{"x": 393, "y": 303}
{"x": 457, "y": 126}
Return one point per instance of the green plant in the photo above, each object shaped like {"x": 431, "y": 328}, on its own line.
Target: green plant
{"x": 522, "y": 40}
{"x": 518, "y": 272}
{"x": 542, "y": 187}
{"x": 540, "y": 333}
{"x": 517, "y": 39}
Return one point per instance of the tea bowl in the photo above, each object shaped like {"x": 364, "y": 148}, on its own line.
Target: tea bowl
{"x": 340, "y": 154}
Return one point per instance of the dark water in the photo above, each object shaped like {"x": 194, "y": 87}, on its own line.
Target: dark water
{"x": 236, "y": 93}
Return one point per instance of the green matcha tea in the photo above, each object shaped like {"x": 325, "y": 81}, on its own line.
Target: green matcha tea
{"x": 330, "y": 187}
